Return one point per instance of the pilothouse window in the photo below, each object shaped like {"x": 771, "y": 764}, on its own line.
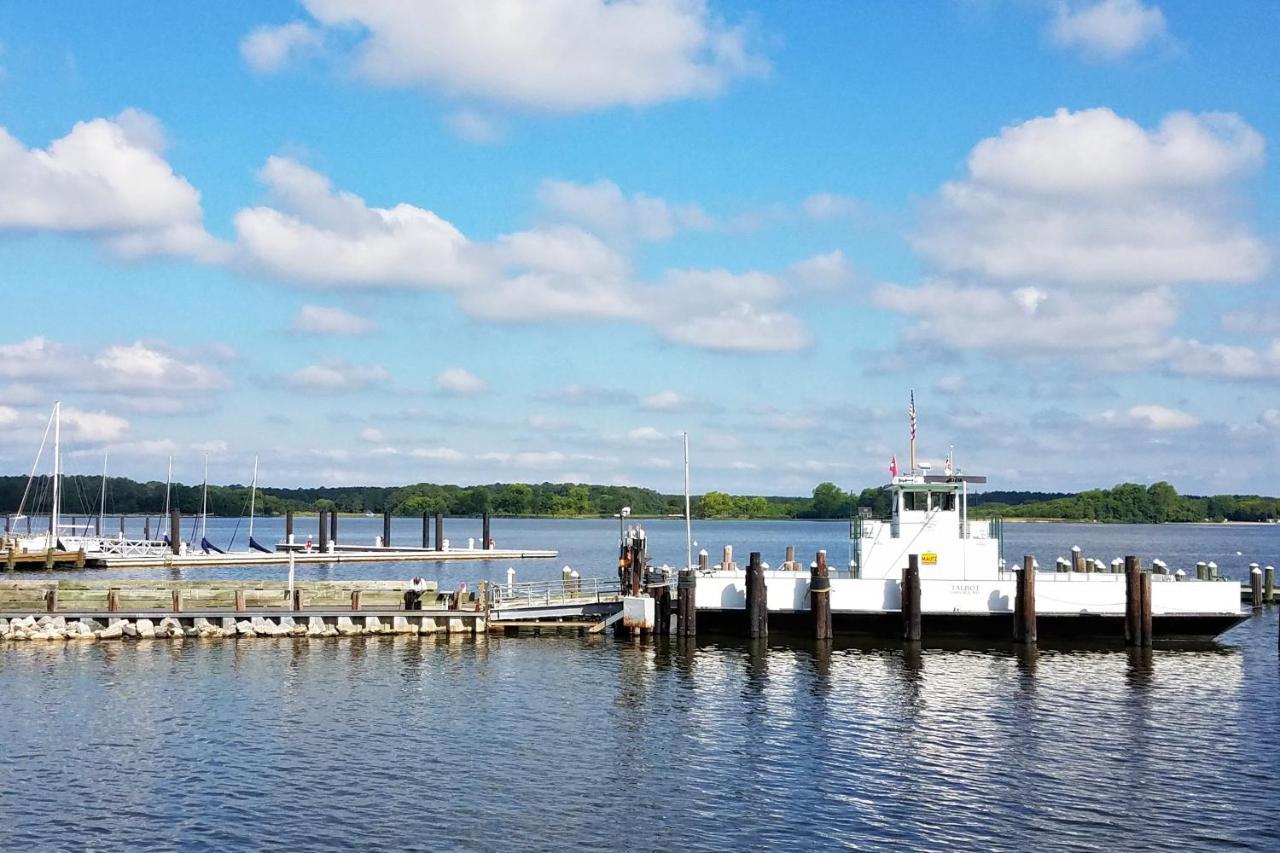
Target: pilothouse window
{"x": 915, "y": 501}
{"x": 944, "y": 501}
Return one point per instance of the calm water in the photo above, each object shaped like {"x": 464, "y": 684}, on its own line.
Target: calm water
{"x": 544, "y": 743}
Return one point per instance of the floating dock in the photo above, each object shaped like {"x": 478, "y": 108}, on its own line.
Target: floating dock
{"x": 300, "y": 556}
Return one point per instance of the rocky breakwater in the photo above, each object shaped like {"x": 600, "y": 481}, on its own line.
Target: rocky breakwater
{"x": 52, "y": 627}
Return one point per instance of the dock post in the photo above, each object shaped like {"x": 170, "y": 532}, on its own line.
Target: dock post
{"x": 323, "y": 537}
{"x": 1255, "y": 585}
{"x": 727, "y": 563}
{"x": 80, "y": 558}
{"x": 51, "y": 600}
{"x": 1144, "y": 618}
{"x": 1132, "y": 601}
{"x": 146, "y": 529}
{"x": 686, "y": 603}
{"x": 1077, "y": 560}
{"x": 355, "y": 599}
{"x": 757, "y": 599}
{"x": 386, "y": 528}
{"x": 664, "y": 608}
{"x": 333, "y": 527}
{"x": 484, "y": 532}
{"x": 1024, "y": 606}
{"x": 439, "y": 531}
{"x": 790, "y": 561}
{"x": 177, "y": 600}
{"x": 297, "y": 599}
{"x": 288, "y": 527}
{"x": 1202, "y": 571}
{"x": 10, "y": 558}
{"x": 426, "y": 530}
{"x": 1269, "y": 585}
{"x": 113, "y": 600}
{"x": 911, "y": 599}
{"x": 820, "y": 597}
{"x": 48, "y": 559}
{"x": 239, "y": 605}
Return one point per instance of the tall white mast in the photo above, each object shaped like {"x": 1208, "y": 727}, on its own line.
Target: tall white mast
{"x": 55, "y": 510}
{"x": 253, "y": 493}
{"x": 688, "y": 522}
{"x": 102, "y": 499}
{"x": 204, "y": 501}
{"x": 168, "y": 479}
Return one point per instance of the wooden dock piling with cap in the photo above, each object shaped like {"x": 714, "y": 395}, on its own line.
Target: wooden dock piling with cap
{"x": 1269, "y": 585}
{"x": 1144, "y": 614}
{"x": 439, "y": 531}
{"x": 757, "y": 599}
{"x": 1024, "y": 602}
{"x": 288, "y": 527}
{"x": 1132, "y": 601}
{"x": 910, "y": 595}
{"x": 485, "y": 532}
{"x": 323, "y": 534}
{"x": 1255, "y": 585}
{"x": 333, "y": 527}
{"x": 686, "y": 603}
{"x": 820, "y": 597}
{"x": 386, "y": 528}
{"x": 175, "y": 532}
{"x": 426, "y": 530}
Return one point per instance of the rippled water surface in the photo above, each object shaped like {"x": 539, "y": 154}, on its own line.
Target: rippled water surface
{"x": 544, "y": 743}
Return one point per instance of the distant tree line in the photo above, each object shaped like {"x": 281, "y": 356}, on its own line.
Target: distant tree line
{"x": 1128, "y": 502}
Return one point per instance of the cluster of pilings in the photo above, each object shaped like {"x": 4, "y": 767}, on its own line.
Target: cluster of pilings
{"x": 327, "y": 532}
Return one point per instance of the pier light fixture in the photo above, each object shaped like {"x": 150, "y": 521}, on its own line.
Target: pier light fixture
{"x": 622, "y": 514}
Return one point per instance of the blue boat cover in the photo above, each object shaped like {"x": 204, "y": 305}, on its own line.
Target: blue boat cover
{"x": 207, "y": 546}
{"x": 253, "y": 544}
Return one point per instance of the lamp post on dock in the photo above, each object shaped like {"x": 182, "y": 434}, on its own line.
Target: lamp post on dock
{"x": 622, "y": 515}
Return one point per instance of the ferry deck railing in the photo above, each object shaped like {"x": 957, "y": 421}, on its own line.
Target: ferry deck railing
{"x": 558, "y": 591}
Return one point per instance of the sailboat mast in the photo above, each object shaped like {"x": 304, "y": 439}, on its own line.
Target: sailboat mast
{"x": 55, "y": 510}
{"x": 168, "y": 479}
{"x": 204, "y": 501}
{"x": 253, "y": 494}
{"x": 688, "y": 522}
{"x": 102, "y": 499}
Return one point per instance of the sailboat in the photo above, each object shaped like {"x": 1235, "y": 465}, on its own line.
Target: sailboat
{"x": 205, "y": 544}
{"x": 254, "y": 545}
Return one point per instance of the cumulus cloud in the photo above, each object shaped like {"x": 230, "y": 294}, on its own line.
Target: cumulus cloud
{"x": 1224, "y": 361}
{"x": 823, "y": 207}
{"x": 666, "y": 401}
{"x": 1261, "y": 319}
{"x": 319, "y": 320}
{"x": 108, "y": 179}
{"x": 1093, "y": 199}
{"x": 1106, "y": 30}
{"x": 603, "y": 208}
{"x": 137, "y": 368}
{"x": 561, "y": 55}
{"x": 460, "y": 381}
{"x": 318, "y": 235}
{"x": 438, "y": 454}
{"x": 474, "y": 126}
{"x": 92, "y": 427}
{"x": 1152, "y": 417}
{"x": 336, "y": 375}
{"x": 142, "y": 367}
{"x": 373, "y": 435}
{"x": 576, "y": 394}
{"x": 268, "y": 49}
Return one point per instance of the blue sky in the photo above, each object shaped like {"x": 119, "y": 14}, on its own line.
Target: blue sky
{"x": 380, "y": 242}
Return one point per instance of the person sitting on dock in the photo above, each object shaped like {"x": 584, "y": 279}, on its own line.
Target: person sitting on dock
{"x": 413, "y": 595}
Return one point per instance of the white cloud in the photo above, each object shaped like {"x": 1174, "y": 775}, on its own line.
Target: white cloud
{"x": 336, "y": 375}
{"x": 317, "y": 319}
{"x": 1106, "y": 29}
{"x": 373, "y": 435}
{"x": 269, "y": 49}
{"x": 99, "y": 426}
{"x": 563, "y": 55}
{"x": 38, "y": 358}
{"x": 821, "y": 272}
{"x": 8, "y": 416}
{"x": 1261, "y": 319}
{"x": 644, "y": 435}
{"x": 142, "y": 367}
{"x": 318, "y": 235}
{"x": 525, "y": 459}
{"x": 460, "y": 381}
{"x": 823, "y": 207}
{"x": 666, "y": 401}
{"x": 603, "y": 208}
{"x": 1092, "y": 199}
{"x": 107, "y": 178}
{"x": 474, "y": 126}
{"x": 1150, "y": 417}
{"x": 1224, "y": 361}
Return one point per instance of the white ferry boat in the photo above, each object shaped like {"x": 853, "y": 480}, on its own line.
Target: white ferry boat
{"x": 965, "y": 585}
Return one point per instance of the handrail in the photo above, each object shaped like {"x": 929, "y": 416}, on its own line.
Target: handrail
{"x": 549, "y": 591}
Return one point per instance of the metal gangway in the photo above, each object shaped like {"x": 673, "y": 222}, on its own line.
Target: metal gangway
{"x": 564, "y": 598}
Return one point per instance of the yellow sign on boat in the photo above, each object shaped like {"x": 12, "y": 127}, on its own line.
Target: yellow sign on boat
{"x": 929, "y": 558}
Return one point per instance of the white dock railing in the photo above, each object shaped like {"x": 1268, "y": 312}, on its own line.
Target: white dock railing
{"x": 554, "y": 591}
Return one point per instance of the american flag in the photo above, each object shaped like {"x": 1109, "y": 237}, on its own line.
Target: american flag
{"x": 911, "y": 413}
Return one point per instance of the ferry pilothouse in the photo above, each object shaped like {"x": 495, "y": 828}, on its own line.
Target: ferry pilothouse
{"x": 966, "y": 587}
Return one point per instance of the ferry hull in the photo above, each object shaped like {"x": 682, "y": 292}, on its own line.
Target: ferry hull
{"x": 989, "y": 626}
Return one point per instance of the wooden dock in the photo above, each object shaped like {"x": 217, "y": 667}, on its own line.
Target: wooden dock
{"x": 340, "y": 554}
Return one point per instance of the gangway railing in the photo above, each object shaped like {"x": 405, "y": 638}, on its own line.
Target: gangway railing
{"x": 560, "y": 591}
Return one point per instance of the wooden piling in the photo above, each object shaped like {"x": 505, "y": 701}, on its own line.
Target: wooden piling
{"x": 439, "y": 531}
{"x": 1077, "y": 560}
{"x": 113, "y": 600}
{"x": 80, "y": 558}
{"x": 820, "y": 596}
{"x": 1132, "y": 601}
{"x": 239, "y": 599}
{"x": 911, "y": 599}
{"x": 790, "y": 562}
{"x": 1144, "y": 616}
{"x": 1024, "y": 605}
{"x": 386, "y": 528}
{"x": 177, "y": 600}
{"x": 355, "y": 599}
{"x": 297, "y": 599}
{"x": 51, "y": 600}
{"x": 686, "y": 605}
{"x": 10, "y": 559}
{"x": 1255, "y": 586}
{"x": 757, "y": 599}
{"x": 704, "y": 561}
{"x": 322, "y": 539}
{"x": 146, "y": 528}
{"x": 426, "y": 530}
{"x": 48, "y": 559}
{"x": 663, "y": 609}
{"x": 288, "y": 527}
{"x": 333, "y": 527}
{"x": 727, "y": 562}
{"x": 484, "y": 532}
{"x": 1202, "y": 571}
{"x": 1269, "y": 585}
